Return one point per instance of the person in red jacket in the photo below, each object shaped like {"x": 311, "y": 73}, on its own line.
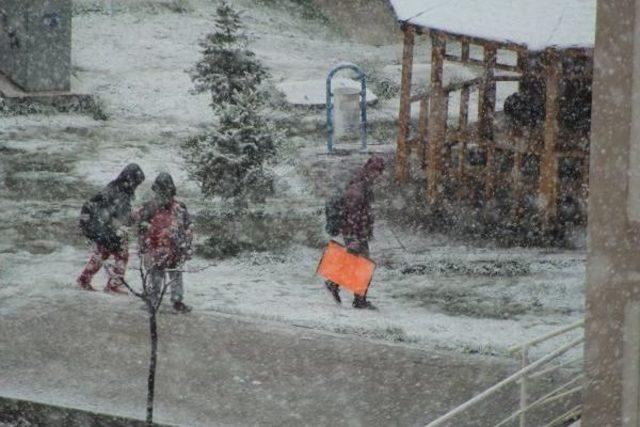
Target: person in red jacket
{"x": 165, "y": 239}
{"x": 357, "y": 225}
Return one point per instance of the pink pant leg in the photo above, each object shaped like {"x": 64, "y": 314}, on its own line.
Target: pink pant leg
{"x": 93, "y": 265}
{"x": 116, "y": 274}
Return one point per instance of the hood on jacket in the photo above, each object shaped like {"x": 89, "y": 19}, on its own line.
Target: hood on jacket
{"x": 371, "y": 170}
{"x": 129, "y": 179}
{"x": 163, "y": 186}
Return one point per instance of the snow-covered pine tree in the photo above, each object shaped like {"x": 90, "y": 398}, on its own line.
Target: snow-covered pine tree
{"x": 227, "y": 66}
{"x": 228, "y": 161}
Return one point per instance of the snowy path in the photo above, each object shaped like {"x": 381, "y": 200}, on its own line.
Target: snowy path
{"x": 488, "y": 306}
{"x": 220, "y": 370}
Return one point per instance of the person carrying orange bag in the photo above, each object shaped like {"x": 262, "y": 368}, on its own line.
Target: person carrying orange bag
{"x": 351, "y": 216}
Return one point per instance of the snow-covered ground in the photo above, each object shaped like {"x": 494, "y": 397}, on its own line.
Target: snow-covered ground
{"x": 461, "y": 298}
{"x": 438, "y": 293}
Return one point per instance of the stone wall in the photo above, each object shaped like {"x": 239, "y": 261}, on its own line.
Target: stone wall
{"x": 35, "y": 43}
{"x": 27, "y": 413}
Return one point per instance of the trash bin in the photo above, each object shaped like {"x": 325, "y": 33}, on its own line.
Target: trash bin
{"x": 347, "y": 113}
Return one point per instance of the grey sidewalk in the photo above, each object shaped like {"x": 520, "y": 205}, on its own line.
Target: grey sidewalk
{"x": 91, "y": 353}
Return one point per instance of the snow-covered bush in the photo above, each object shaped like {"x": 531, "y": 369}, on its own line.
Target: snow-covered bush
{"x": 229, "y": 161}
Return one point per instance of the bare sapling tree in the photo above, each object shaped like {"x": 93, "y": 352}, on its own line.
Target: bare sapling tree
{"x": 152, "y": 299}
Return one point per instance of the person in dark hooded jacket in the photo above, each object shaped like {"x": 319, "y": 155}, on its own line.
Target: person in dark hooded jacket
{"x": 357, "y": 225}
{"x": 165, "y": 236}
{"x": 102, "y": 219}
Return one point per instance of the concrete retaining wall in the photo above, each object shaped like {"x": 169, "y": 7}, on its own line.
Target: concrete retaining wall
{"x": 27, "y": 413}
{"x": 35, "y": 44}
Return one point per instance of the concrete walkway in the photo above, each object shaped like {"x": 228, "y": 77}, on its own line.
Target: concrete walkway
{"x": 90, "y": 352}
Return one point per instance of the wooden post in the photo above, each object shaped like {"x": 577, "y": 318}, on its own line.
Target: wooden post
{"x": 404, "y": 119}
{"x": 548, "y": 181}
{"x": 517, "y": 190}
{"x": 445, "y": 161}
{"x": 423, "y": 123}
{"x": 464, "y": 50}
{"x": 487, "y": 109}
{"x": 522, "y": 65}
{"x": 437, "y": 119}
{"x": 584, "y": 189}
{"x": 462, "y": 131}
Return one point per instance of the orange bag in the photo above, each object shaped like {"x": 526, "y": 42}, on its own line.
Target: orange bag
{"x": 348, "y": 270}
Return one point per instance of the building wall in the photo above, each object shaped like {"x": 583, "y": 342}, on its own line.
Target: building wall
{"x": 35, "y": 43}
{"x": 11, "y": 28}
{"x": 613, "y": 263}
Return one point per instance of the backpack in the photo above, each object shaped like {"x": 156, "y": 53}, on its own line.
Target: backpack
{"x": 334, "y": 213}
{"x": 95, "y": 223}
{"x": 167, "y": 237}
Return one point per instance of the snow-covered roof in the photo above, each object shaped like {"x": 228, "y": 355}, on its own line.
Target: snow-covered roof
{"x": 537, "y": 24}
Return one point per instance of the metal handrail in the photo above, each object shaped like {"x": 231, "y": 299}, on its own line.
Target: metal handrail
{"x": 573, "y": 412}
{"x": 507, "y": 381}
{"x": 547, "y": 398}
{"x": 523, "y": 375}
{"x": 555, "y": 368}
{"x": 547, "y": 336}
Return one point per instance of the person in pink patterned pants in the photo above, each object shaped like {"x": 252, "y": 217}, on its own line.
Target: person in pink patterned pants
{"x": 116, "y": 272}
{"x": 102, "y": 220}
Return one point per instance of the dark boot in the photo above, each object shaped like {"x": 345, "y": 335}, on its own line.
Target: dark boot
{"x": 181, "y": 307}
{"x": 116, "y": 289}
{"x": 361, "y": 302}
{"x": 334, "y": 290}
{"x": 84, "y": 285}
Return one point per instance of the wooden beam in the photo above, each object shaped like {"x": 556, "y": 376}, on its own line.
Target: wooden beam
{"x": 446, "y": 36}
{"x": 487, "y": 107}
{"x": 480, "y": 63}
{"x": 456, "y": 86}
{"x": 437, "y": 120}
{"x": 548, "y": 181}
{"x": 404, "y": 119}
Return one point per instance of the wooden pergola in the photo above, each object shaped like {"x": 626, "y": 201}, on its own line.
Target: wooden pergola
{"x": 442, "y": 148}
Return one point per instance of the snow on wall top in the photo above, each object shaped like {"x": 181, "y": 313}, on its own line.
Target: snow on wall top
{"x": 537, "y": 24}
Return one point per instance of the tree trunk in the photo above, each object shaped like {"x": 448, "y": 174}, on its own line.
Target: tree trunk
{"x": 153, "y": 329}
